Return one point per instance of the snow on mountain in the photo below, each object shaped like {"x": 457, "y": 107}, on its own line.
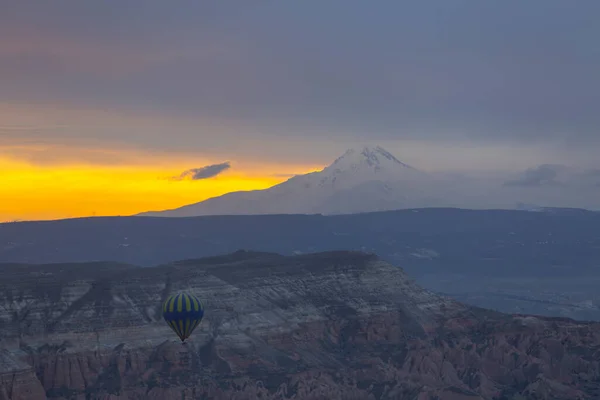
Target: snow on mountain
{"x": 357, "y": 166}
{"x": 371, "y": 179}
{"x": 361, "y": 180}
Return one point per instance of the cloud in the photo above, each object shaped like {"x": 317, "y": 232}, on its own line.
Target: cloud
{"x": 543, "y": 175}
{"x": 484, "y": 70}
{"x": 206, "y": 172}
{"x": 481, "y": 74}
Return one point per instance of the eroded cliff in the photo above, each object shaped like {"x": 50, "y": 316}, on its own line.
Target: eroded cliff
{"x": 322, "y": 326}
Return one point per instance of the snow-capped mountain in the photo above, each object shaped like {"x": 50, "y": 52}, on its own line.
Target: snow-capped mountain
{"x": 371, "y": 179}
{"x": 361, "y": 180}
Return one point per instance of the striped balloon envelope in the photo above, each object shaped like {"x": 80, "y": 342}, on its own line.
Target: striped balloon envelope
{"x": 183, "y": 313}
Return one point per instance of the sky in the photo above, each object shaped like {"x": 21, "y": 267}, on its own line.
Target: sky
{"x": 118, "y": 107}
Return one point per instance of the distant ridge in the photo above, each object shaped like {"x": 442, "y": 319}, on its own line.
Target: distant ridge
{"x": 149, "y": 241}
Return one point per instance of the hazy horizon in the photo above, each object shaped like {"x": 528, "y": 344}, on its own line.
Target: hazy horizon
{"x": 113, "y": 109}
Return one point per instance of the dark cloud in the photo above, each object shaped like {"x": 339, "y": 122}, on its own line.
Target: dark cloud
{"x": 206, "y": 172}
{"x": 543, "y": 175}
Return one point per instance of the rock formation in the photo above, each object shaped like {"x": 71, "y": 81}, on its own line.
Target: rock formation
{"x": 336, "y": 325}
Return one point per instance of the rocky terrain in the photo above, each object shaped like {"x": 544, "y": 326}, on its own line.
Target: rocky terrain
{"x": 335, "y": 325}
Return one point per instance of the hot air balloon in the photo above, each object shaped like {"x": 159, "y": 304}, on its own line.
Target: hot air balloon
{"x": 183, "y": 313}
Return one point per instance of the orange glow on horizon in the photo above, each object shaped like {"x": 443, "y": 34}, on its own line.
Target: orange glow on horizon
{"x": 48, "y": 170}
{"x": 33, "y": 192}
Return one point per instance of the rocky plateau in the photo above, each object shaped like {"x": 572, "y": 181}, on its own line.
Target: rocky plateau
{"x": 333, "y": 325}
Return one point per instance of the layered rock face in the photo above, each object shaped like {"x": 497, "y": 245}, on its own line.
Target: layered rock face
{"x": 337, "y": 325}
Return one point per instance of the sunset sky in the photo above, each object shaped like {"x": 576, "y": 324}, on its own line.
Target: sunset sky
{"x": 104, "y": 105}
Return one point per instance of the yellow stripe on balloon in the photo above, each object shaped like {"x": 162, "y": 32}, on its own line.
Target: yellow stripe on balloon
{"x": 179, "y": 303}
{"x": 188, "y": 303}
{"x": 174, "y": 327}
{"x": 187, "y": 327}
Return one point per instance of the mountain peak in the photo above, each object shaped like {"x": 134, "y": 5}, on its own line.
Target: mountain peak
{"x": 372, "y": 156}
